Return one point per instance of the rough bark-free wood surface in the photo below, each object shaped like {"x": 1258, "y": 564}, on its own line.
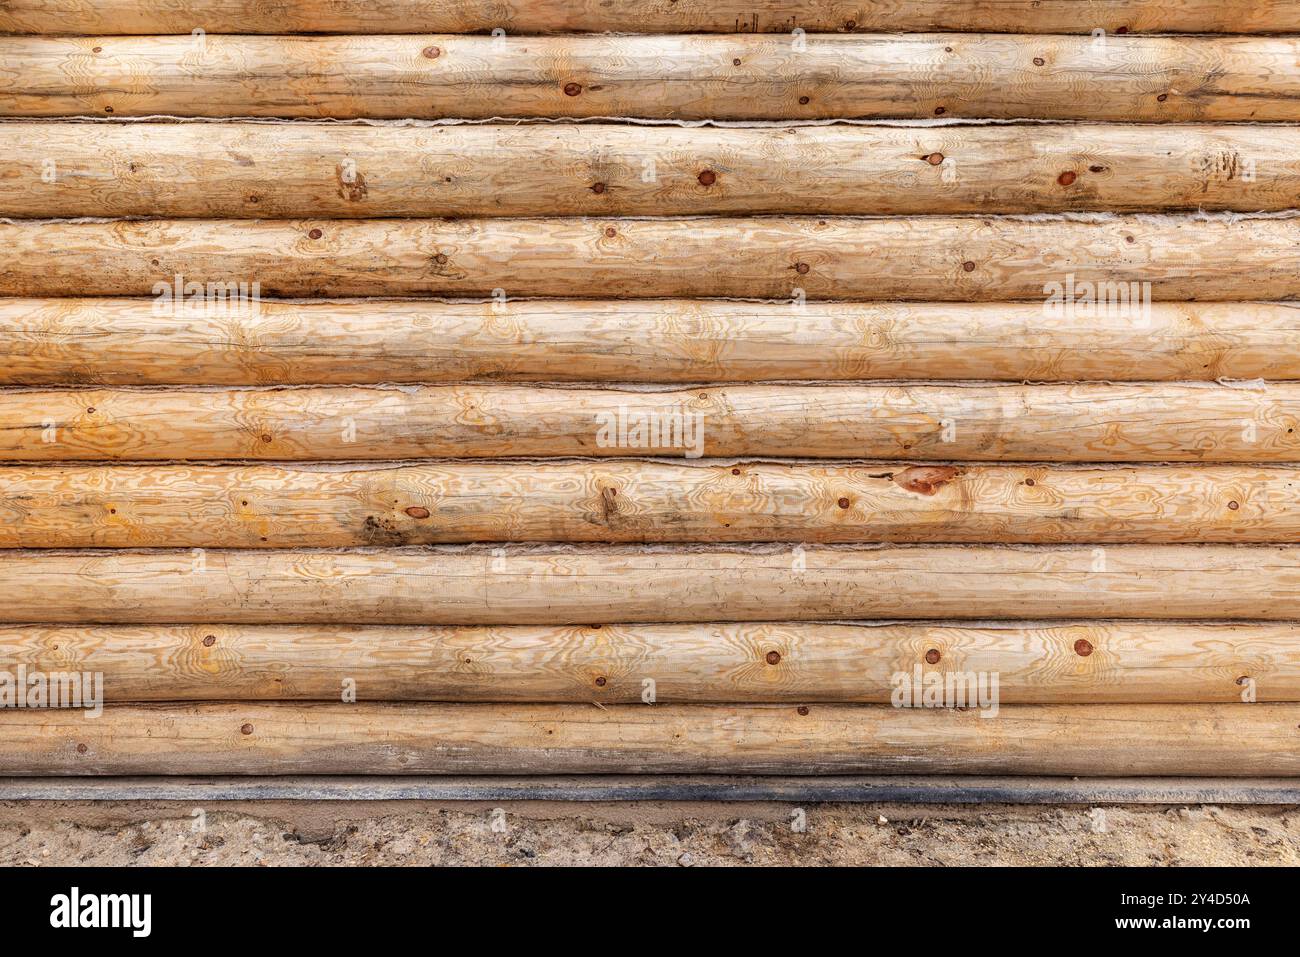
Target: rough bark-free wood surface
{"x": 128, "y": 342}
{"x": 647, "y": 16}
{"x": 240, "y": 170}
{"x": 275, "y": 506}
{"x": 1091, "y": 662}
{"x": 910, "y": 258}
{"x": 1121, "y": 78}
{"x": 1099, "y": 422}
{"x": 1230, "y": 740}
{"x": 595, "y": 584}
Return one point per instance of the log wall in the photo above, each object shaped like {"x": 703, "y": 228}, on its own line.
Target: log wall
{"x": 378, "y": 393}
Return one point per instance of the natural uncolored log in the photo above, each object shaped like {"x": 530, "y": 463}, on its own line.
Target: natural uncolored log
{"x": 1137, "y": 258}
{"x": 129, "y": 342}
{"x": 559, "y": 585}
{"x": 1122, "y": 78}
{"x": 258, "y": 170}
{"x": 764, "y": 662}
{"x": 646, "y": 16}
{"x": 1228, "y": 740}
{"x": 272, "y": 506}
{"x": 1094, "y": 422}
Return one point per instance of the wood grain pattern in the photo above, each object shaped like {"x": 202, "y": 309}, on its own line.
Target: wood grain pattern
{"x": 285, "y": 738}
{"x": 908, "y": 258}
{"x": 248, "y": 170}
{"x": 647, "y": 16}
{"x": 596, "y": 584}
{"x": 763, "y": 662}
{"x": 1121, "y": 78}
{"x": 127, "y": 342}
{"x": 1094, "y": 422}
{"x": 277, "y": 506}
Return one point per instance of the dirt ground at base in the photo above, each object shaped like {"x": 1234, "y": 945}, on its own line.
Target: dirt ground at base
{"x": 35, "y": 834}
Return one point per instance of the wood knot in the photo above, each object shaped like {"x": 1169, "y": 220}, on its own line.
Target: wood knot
{"x": 932, "y": 656}
{"x": 707, "y": 177}
{"x": 572, "y": 89}
{"x": 773, "y": 658}
{"x": 415, "y": 511}
{"x": 1083, "y": 647}
{"x": 246, "y": 729}
{"x": 431, "y": 53}
{"x": 209, "y": 641}
{"x": 925, "y": 479}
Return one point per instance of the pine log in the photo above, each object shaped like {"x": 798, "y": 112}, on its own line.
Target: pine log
{"x": 1122, "y": 78}
{"x": 127, "y": 342}
{"x": 280, "y": 506}
{"x": 1111, "y": 265}
{"x": 106, "y": 17}
{"x": 1220, "y": 740}
{"x": 1095, "y": 422}
{"x": 757, "y": 663}
{"x": 603, "y": 584}
{"x": 249, "y": 170}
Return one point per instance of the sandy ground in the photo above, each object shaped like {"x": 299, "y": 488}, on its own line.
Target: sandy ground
{"x": 683, "y": 835}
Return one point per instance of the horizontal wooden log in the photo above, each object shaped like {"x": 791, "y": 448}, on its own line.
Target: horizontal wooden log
{"x": 106, "y": 17}
{"x": 248, "y": 170}
{"x": 1230, "y": 740}
{"x": 1122, "y": 78}
{"x": 1094, "y": 422}
{"x": 1161, "y": 257}
{"x": 597, "y": 584}
{"x": 275, "y": 506}
{"x": 765, "y": 662}
{"x": 129, "y": 342}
